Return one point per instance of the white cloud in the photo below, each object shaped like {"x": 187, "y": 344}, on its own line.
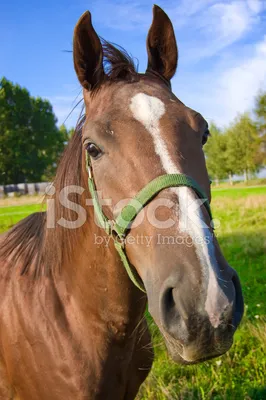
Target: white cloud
{"x": 217, "y": 27}
{"x": 230, "y": 21}
{"x": 256, "y": 5}
{"x": 228, "y": 84}
{"x": 239, "y": 85}
{"x": 226, "y": 90}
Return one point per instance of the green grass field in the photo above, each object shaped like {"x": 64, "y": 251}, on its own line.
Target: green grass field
{"x": 240, "y": 374}
{"x": 10, "y": 215}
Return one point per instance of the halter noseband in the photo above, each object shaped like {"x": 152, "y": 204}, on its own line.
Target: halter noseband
{"x": 119, "y": 228}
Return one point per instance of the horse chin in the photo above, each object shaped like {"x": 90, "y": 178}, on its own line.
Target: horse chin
{"x": 182, "y": 357}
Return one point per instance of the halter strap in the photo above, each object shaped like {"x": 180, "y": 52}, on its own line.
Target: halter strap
{"x": 119, "y": 228}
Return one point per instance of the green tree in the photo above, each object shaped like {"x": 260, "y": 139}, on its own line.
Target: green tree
{"x": 215, "y": 151}
{"x": 260, "y": 112}
{"x": 30, "y": 142}
{"x": 71, "y": 132}
{"x": 243, "y": 145}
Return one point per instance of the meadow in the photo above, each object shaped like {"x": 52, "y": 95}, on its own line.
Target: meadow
{"x": 240, "y": 214}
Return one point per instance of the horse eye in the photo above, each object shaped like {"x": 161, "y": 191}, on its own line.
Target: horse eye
{"x": 93, "y": 150}
{"x": 205, "y": 136}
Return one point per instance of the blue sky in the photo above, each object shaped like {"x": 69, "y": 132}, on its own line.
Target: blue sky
{"x": 222, "y": 48}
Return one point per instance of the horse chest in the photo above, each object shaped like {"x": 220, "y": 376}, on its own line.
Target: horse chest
{"x": 44, "y": 358}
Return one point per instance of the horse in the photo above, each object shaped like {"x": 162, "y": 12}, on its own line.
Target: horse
{"x": 128, "y": 223}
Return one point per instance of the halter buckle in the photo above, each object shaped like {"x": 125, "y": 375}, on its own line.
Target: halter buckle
{"x": 89, "y": 170}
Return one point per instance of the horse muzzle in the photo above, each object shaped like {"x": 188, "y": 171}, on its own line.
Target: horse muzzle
{"x": 191, "y": 334}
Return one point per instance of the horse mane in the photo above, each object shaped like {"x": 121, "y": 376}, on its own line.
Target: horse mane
{"x": 31, "y": 243}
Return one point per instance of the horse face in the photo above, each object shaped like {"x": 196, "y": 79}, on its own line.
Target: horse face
{"x": 135, "y": 132}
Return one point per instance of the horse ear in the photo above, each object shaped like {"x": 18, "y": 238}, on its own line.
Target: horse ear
{"x": 87, "y": 53}
{"x": 161, "y": 45}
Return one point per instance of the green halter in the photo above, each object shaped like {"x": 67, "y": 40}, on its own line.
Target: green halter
{"x": 119, "y": 228}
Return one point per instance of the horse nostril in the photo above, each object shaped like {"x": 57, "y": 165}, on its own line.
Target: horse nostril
{"x": 169, "y": 301}
{"x": 169, "y": 312}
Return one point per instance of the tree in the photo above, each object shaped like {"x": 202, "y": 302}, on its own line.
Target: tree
{"x": 260, "y": 112}
{"x": 215, "y": 151}
{"x": 30, "y": 142}
{"x": 71, "y": 132}
{"x": 243, "y": 145}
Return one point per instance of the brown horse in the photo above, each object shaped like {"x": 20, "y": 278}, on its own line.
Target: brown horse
{"x": 71, "y": 320}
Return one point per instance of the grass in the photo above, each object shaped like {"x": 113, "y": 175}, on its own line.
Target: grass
{"x": 239, "y": 374}
{"x": 238, "y": 192}
{"x": 12, "y": 214}
{"x": 242, "y": 184}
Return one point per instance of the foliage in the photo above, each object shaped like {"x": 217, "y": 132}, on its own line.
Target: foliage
{"x": 30, "y": 142}
{"x": 243, "y": 146}
{"x": 237, "y": 150}
{"x": 215, "y": 151}
{"x": 260, "y": 112}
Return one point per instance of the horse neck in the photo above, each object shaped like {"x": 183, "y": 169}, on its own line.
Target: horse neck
{"x": 99, "y": 285}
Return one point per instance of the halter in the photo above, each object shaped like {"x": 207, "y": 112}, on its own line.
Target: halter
{"x": 119, "y": 228}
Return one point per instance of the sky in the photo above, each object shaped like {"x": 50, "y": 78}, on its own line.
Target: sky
{"x": 222, "y": 49}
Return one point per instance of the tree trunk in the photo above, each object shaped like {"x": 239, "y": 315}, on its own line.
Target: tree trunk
{"x": 230, "y": 178}
{"x": 245, "y": 175}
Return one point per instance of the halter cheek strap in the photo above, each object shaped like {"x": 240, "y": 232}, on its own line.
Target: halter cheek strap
{"x": 119, "y": 228}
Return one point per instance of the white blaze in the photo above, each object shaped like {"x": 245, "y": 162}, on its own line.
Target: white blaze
{"x": 148, "y": 110}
